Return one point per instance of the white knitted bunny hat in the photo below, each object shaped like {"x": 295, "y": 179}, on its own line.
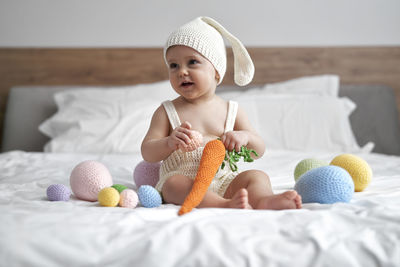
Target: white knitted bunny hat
{"x": 204, "y": 35}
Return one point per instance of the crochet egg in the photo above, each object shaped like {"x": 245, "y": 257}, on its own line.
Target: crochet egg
{"x": 88, "y": 178}
{"x": 108, "y": 197}
{"x": 325, "y": 185}
{"x": 358, "y": 168}
{"x": 119, "y": 187}
{"x": 196, "y": 141}
{"x": 58, "y": 192}
{"x": 149, "y": 196}
{"x": 146, "y": 173}
{"x": 128, "y": 199}
{"x": 306, "y": 165}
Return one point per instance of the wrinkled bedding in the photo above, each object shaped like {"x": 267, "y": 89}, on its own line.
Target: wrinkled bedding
{"x": 38, "y": 232}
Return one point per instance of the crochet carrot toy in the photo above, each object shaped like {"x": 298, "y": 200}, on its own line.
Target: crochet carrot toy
{"x": 213, "y": 156}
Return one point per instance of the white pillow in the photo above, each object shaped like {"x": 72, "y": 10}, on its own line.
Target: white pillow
{"x": 98, "y": 120}
{"x": 306, "y": 123}
{"x": 324, "y": 85}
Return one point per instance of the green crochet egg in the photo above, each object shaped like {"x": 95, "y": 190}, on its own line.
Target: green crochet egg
{"x": 119, "y": 187}
{"x": 307, "y": 164}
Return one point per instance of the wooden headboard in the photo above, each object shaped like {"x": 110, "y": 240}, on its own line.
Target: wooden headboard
{"x": 123, "y": 66}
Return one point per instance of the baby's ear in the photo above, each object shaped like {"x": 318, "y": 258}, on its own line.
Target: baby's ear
{"x": 217, "y": 77}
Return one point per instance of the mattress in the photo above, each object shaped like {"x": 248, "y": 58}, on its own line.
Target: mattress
{"x": 37, "y": 232}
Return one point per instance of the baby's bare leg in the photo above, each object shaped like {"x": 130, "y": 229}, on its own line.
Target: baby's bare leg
{"x": 177, "y": 187}
{"x": 260, "y": 193}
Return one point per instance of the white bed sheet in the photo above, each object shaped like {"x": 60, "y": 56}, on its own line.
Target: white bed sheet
{"x": 38, "y": 232}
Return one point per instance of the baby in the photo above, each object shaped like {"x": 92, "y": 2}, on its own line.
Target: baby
{"x": 196, "y": 58}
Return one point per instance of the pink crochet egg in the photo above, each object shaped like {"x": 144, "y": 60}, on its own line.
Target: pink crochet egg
{"x": 146, "y": 173}
{"x": 128, "y": 199}
{"x": 88, "y": 178}
{"x": 196, "y": 141}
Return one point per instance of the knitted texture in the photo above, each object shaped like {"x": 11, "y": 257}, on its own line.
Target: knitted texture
{"x": 358, "y": 168}
{"x": 146, "y": 173}
{"x": 88, "y": 178}
{"x": 213, "y": 155}
{"x": 325, "y": 185}
{"x": 196, "y": 140}
{"x": 128, "y": 199}
{"x": 180, "y": 163}
{"x": 58, "y": 192}
{"x": 108, "y": 197}
{"x": 149, "y": 197}
{"x": 187, "y": 163}
{"x": 205, "y": 35}
{"x": 306, "y": 165}
{"x": 119, "y": 187}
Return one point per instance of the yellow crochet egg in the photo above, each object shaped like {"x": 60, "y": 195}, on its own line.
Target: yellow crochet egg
{"x": 358, "y": 169}
{"x": 108, "y": 197}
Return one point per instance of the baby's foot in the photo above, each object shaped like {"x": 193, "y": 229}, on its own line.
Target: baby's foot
{"x": 240, "y": 200}
{"x": 286, "y": 200}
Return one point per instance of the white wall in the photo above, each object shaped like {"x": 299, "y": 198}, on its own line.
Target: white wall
{"x": 130, "y": 23}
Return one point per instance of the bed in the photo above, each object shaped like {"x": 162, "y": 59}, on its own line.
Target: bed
{"x": 40, "y": 147}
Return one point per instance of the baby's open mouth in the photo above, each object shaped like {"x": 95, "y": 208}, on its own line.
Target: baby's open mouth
{"x": 186, "y": 84}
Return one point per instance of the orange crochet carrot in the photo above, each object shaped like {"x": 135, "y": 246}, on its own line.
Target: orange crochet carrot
{"x": 213, "y": 155}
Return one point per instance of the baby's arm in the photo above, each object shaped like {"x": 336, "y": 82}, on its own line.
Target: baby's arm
{"x": 243, "y": 134}
{"x": 158, "y": 144}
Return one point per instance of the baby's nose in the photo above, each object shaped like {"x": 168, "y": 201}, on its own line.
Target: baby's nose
{"x": 183, "y": 72}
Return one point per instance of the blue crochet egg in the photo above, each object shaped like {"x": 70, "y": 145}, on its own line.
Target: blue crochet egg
{"x": 149, "y": 196}
{"x": 325, "y": 185}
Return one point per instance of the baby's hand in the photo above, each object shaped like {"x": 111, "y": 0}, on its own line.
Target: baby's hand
{"x": 196, "y": 140}
{"x": 180, "y": 136}
{"x": 184, "y": 138}
{"x": 235, "y": 140}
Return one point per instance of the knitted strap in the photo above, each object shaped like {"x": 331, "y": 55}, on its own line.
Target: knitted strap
{"x": 172, "y": 114}
{"x": 231, "y": 118}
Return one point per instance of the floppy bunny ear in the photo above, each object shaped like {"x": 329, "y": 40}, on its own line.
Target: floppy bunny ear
{"x": 243, "y": 65}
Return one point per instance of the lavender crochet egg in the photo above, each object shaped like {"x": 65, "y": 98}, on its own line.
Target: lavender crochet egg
{"x": 88, "y": 178}
{"x": 146, "y": 173}
{"x": 58, "y": 192}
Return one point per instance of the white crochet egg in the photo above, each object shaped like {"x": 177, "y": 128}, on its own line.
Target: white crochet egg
{"x": 128, "y": 199}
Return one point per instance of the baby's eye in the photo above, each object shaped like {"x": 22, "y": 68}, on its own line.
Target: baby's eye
{"x": 173, "y": 65}
{"x": 193, "y": 61}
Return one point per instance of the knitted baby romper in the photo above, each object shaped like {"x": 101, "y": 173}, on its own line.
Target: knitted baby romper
{"x": 187, "y": 163}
